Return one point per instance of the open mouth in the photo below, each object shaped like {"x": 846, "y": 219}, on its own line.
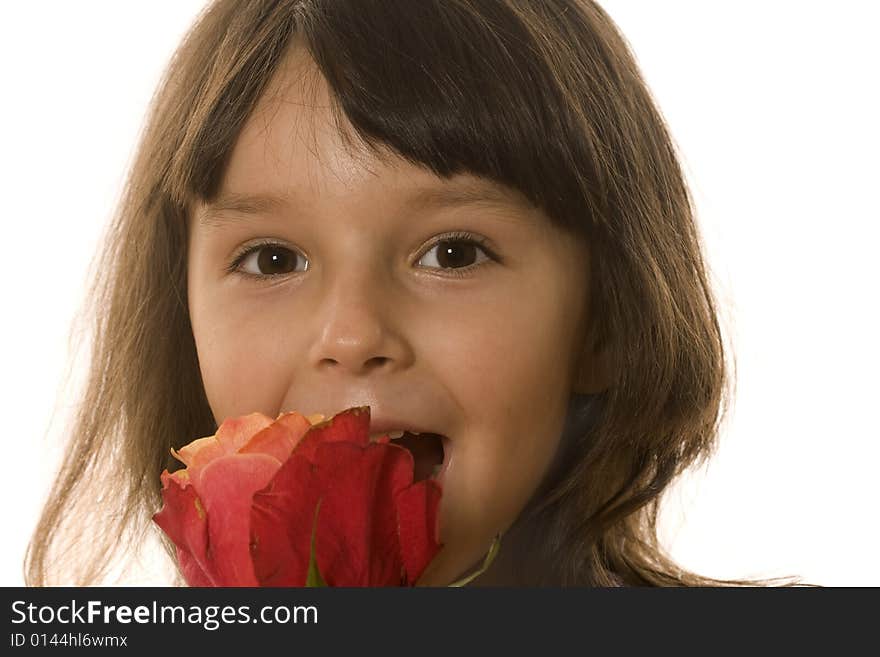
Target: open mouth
{"x": 428, "y": 450}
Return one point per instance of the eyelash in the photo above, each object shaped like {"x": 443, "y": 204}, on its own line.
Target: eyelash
{"x": 459, "y": 272}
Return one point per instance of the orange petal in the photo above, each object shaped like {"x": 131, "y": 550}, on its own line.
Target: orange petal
{"x": 233, "y": 434}
{"x": 279, "y": 438}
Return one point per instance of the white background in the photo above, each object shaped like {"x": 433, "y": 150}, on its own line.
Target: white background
{"x": 774, "y": 107}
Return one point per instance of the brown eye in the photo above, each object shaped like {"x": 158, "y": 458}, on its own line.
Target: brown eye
{"x": 272, "y": 260}
{"x": 454, "y": 254}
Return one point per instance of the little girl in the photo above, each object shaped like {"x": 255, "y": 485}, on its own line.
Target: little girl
{"x": 466, "y": 214}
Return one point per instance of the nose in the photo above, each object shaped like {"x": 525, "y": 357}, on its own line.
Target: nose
{"x": 357, "y": 332}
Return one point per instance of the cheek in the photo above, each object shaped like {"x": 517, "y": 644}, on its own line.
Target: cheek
{"x": 509, "y": 372}
{"x": 243, "y": 360}
{"x": 506, "y": 361}
{"x": 508, "y": 364}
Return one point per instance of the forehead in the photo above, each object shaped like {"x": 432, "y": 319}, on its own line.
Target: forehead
{"x": 294, "y": 147}
{"x": 290, "y": 135}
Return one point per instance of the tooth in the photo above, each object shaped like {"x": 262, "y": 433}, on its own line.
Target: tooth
{"x": 395, "y": 434}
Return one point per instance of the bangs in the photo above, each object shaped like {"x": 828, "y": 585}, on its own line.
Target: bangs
{"x": 456, "y": 87}
{"x": 526, "y": 94}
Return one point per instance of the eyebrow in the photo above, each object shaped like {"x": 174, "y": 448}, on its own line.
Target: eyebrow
{"x": 231, "y": 207}
{"x": 224, "y": 209}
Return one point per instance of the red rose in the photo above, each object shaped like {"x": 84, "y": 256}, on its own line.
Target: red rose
{"x": 246, "y": 508}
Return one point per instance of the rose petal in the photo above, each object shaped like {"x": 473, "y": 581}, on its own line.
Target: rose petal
{"x": 351, "y": 425}
{"x": 184, "y": 520}
{"x": 419, "y": 519}
{"x": 226, "y": 489}
{"x": 279, "y": 438}
{"x": 357, "y": 541}
{"x": 232, "y": 434}
{"x": 281, "y": 524}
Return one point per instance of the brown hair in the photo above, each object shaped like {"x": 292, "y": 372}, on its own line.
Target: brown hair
{"x": 541, "y": 96}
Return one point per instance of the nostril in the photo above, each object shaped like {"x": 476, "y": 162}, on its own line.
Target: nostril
{"x": 376, "y": 362}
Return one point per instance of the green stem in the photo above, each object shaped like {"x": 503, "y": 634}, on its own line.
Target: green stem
{"x": 490, "y": 557}
{"x": 313, "y": 576}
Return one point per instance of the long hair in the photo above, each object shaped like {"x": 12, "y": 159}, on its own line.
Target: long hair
{"x": 541, "y": 96}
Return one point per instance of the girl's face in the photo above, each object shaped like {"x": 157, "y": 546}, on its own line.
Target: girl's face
{"x": 324, "y": 278}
